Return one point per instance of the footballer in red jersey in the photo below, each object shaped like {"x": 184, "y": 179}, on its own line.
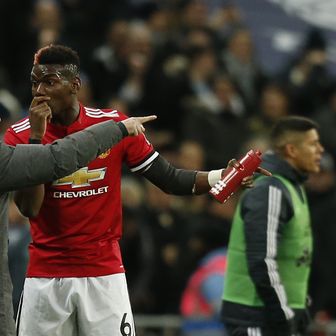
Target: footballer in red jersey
{"x": 77, "y": 229}
{"x": 75, "y": 282}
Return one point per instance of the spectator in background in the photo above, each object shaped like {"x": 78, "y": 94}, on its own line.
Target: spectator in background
{"x": 186, "y": 57}
{"x": 307, "y": 77}
{"x": 270, "y": 247}
{"x": 138, "y": 60}
{"x": 202, "y": 69}
{"x": 214, "y": 116}
{"x": 223, "y": 18}
{"x": 108, "y": 66}
{"x": 238, "y": 59}
{"x": 193, "y": 14}
{"x": 273, "y": 105}
{"x": 14, "y": 56}
{"x": 137, "y": 246}
{"x": 159, "y": 21}
{"x": 170, "y": 227}
{"x": 200, "y": 302}
{"x": 191, "y": 155}
{"x": 47, "y": 22}
{"x": 183, "y": 74}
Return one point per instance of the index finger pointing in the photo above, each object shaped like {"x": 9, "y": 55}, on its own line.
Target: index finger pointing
{"x": 146, "y": 119}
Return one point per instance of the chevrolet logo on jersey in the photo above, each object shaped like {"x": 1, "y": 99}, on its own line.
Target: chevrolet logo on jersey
{"x": 82, "y": 177}
{"x": 105, "y": 154}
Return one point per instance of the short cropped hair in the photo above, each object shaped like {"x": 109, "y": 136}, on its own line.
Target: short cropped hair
{"x": 286, "y": 127}
{"x": 57, "y": 54}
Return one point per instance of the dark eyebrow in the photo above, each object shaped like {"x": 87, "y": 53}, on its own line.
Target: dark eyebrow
{"x": 46, "y": 76}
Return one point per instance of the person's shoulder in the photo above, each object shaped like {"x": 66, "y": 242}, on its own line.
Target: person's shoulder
{"x": 265, "y": 190}
{"x": 263, "y": 185}
{"x": 96, "y": 115}
{"x": 268, "y": 185}
{"x": 20, "y": 129}
{"x": 266, "y": 181}
{"x": 21, "y": 125}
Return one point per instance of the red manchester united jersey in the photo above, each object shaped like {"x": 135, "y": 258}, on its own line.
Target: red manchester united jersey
{"x": 77, "y": 230}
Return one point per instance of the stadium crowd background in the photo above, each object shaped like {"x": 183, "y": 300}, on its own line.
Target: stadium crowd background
{"x": 195, "y": 65}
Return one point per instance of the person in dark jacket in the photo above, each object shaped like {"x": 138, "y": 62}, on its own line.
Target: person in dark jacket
{"x": 270, "y": 247}
{"x": 24, "y": 166}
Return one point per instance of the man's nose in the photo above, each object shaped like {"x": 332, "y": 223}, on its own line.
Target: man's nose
{"x": 40, "y": 89}
{"x": 321, "y": 148}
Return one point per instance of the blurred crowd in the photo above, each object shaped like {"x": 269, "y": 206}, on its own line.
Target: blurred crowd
{"x": 192, "y": 63}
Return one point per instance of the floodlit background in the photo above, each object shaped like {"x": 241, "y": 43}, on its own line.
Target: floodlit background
{"x": 217, "y": 73}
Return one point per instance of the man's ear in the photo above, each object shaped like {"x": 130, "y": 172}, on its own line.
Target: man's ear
{"x": 76, "y": 85}
{"x": 290, "y": 150}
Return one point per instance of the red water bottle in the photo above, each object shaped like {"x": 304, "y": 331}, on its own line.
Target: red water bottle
{"x": 233, "y": 177}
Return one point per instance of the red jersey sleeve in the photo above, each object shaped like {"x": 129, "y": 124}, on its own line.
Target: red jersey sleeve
{"x": 18, "y": 133}
{"x": 139, "y": 153}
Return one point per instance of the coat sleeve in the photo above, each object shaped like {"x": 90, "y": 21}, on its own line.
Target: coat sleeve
{"x": 265, "y": 210}
{"x": 27, "y": 165}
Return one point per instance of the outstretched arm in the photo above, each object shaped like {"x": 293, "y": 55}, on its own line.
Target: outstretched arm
{"x": 186, "y": 182}
{"x": 27, "y": 165}
{"x": 29, "y": 200}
